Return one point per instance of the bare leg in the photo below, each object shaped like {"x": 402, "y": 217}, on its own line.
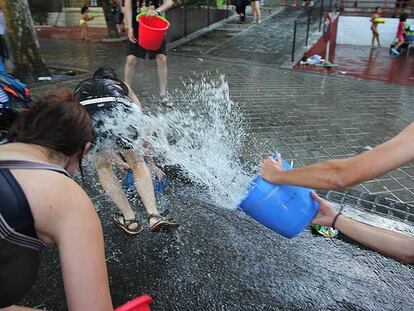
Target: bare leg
{"x": 399, "y": 44}
{"x": 162, "y": 72}
{"x": 83, "y": 33}
{"x": 129, "y": 69}
{"x": 143, "y": 181}
{"x": 258, "y": 14}
{"x": 254, "y": 11}
{"x": 113, "y": 187}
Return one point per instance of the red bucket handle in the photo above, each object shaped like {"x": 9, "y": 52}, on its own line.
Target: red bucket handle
{"x": 156, "y": 16}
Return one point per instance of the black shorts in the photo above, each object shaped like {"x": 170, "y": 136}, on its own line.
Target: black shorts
{"x": 138, "y": 51}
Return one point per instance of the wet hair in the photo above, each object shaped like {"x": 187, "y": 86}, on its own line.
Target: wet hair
{"x": 105, "y": 72}
{"x": 104, "y": 83}
{"x": 56, "y": 121}
{"x": 403, "y": 17}
{"x": 84, "y": 8}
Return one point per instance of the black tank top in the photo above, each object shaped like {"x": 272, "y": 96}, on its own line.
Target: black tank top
{"x": 136, "y": 9}
{"x": 19, "y": 246}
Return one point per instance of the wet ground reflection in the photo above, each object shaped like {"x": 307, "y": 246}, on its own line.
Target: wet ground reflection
{"x": 371, "y": 64}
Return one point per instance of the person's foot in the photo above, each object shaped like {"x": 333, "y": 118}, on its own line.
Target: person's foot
{"x": 130, "y": 226}
{"x": 395, "y": 52}
{"x": 166, "y": 101}
{"x": 161, "y": 223}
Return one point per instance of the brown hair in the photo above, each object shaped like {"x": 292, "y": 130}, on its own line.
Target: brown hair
{"x": 56, "y": 121}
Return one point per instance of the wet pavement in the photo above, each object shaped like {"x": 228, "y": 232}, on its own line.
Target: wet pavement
{"x": 221, "y": 260}
{"x": 370, "y": 63}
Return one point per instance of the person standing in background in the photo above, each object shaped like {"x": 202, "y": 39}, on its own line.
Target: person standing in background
{"x": 135, "y": 51}
{"x": 374, "y": 26}
{"x": 257, "y": 16}
{"x": 85, "y": 18}
{"x": 117, "y": 15}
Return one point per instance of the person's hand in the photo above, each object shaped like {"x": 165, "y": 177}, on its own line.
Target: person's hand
{"x": 157, "y": 172}
{"x": 152, "y": 13}
{"x": 131, "y": 36}
{"x": 269, "y": 168}
{"x": 326, "y": 212}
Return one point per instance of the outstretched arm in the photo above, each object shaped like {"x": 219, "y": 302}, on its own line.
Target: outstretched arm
{"x": 78, "y": 235}
{"x": 343, "y": 173}
{"x": 384, "y": 241}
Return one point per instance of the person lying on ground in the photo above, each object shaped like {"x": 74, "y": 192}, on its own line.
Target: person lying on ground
{"x": 102, "y": 95}
{"x": 42, "y": 206}
{"x": 344, "y": 173}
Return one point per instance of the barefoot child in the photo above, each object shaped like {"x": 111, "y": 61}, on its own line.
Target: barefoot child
{"x": 85, "y": 18}
{"x": 374, "y": 25}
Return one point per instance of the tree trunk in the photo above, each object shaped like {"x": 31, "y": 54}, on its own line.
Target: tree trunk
{"x": 112, "y": 31}
{"x": 23, "y": 40}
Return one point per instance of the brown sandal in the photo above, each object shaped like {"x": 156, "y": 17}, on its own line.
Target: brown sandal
{"x": 162, "y": 223}
{"x": 125, "y": 224}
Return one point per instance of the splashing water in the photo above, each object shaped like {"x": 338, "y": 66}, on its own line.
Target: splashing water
{"x": 203, "y": 135}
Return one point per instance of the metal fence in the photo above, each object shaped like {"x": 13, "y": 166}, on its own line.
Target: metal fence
{"x": 192, "y": 15}
{"x": 308, "y": 22}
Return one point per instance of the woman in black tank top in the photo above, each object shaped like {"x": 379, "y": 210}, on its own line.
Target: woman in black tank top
{"x": 40, "y": 205}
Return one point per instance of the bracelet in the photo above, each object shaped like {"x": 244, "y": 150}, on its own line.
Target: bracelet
{"x": 335, "y": 219}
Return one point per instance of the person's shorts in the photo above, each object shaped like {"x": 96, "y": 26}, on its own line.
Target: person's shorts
{"x": 401, "y": 38}
{"x": 138, "y": 51}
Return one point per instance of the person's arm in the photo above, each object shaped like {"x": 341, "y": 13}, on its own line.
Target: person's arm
{"x": 383, "y": 241}
{"x": 133, "y": 96}
{"x": 343, "y": 173}
{"x": 162, "y": 9}
{"x": 128, "y": 17}
{"x": 78, "y": 235}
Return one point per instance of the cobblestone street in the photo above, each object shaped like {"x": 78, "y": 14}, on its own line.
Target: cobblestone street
{"x": 221, "y": 259}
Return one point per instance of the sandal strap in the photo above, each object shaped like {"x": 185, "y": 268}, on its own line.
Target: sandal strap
{"x": 150, "y": 216}
{"x": 126, "y": 222}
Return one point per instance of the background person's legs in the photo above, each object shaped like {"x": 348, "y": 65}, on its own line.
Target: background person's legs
{"x": 129, "y": 69}
{"x": 162, "y": 72}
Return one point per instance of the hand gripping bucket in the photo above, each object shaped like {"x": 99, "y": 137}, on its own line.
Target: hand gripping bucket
{"x": 140, "y": 303}
{"x": 285, "y": 209}
{"x": 152, "y": 31}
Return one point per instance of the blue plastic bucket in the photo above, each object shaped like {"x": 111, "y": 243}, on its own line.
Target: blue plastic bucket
{"x": 159, "y": 186}
{"x": 287, "y": 210}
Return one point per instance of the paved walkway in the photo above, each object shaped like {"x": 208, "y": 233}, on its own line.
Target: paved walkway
{"x": 221, "y": 260}
{"x": 308, "y": 117}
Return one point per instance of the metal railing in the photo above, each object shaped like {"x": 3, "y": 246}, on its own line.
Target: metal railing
{"x": 366, "y": 7}
{"x": 309, "y": 21}
{"x": 203, "y": 14}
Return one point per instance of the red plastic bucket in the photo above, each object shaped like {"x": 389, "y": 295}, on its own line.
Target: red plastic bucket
{"x": 151, "y": 31}
{"x": 140, "y": 303}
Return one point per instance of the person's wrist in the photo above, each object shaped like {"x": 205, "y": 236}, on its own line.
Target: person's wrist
{"x": 335, "y": 220}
